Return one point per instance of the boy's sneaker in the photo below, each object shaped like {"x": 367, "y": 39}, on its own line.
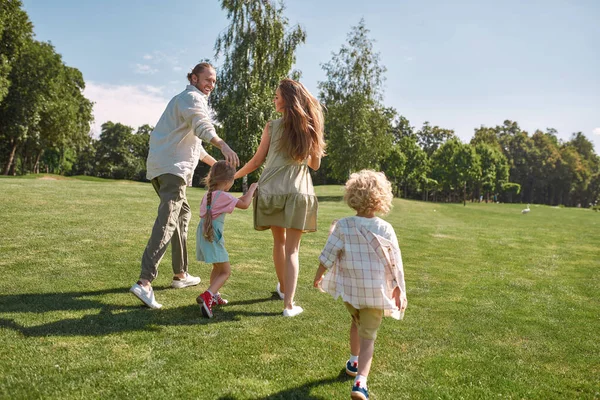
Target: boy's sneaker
{"x": 205, "y": 300}
{"x": 188, "y": 280}
{"x": 351, "y": 368}
{"x": 279, "y": 292}
{"x": 218, "y": 300}
{"x": 359, "y": 393}
{"x": 145, "y": 295}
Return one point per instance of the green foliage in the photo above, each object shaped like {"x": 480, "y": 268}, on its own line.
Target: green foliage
{"x": 494, "y": 168}
{"x": 358, "y": 127}
{"x": 15, "y": 31}
{"x": 430, "y": 138}
{"x": 510, "y": 190}
{"x": 259, "y": 50}
{"x": 417, "y": 165}
{"x": 42, "y": 107}
{"x": 120, "y": 154}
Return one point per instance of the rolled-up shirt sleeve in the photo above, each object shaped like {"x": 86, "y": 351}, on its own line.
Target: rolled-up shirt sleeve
{"x": 197, "y": 115}
{"x": 333, "y": 247}
{"x": 202, "y": 153}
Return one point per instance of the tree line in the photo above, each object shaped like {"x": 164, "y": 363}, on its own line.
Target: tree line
{"x": 45, "y": 120}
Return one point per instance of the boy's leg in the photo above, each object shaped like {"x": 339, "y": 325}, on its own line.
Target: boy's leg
{"x": 365, "y": 356}
{"x": 354, "y": 340}
{"x": 179, "y": 241}
{"x": 369, "y": 322}
{"x": 171, "y": 190}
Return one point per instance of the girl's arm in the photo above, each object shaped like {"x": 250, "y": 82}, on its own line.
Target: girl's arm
{"x": 259, "y": 156}
{"x": 314, "y": 162}
{"x": 245, "y": 200}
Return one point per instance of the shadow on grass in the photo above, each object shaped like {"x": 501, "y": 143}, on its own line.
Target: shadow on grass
{"x": 111, "y": 318}
{"x": 301, "y": 392}
{"x": 330, "y": 198}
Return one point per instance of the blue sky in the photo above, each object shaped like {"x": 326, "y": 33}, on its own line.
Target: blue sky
{"x": 458, "y": 64}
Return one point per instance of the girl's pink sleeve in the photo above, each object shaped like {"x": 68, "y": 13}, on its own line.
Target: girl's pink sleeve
{"x": 227, "y": 203}
{"x": 203, "y": 207}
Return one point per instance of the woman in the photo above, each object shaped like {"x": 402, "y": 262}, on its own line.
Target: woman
{"x": 285, "y": 200}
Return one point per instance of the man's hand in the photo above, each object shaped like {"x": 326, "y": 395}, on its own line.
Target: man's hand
{"x": 230, "y": 156}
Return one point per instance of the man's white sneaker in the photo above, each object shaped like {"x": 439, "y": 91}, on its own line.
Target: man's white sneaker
{"x": 189, "y": 280}
{"x": 295, "y": 310}
{"x": 145, "y": 295}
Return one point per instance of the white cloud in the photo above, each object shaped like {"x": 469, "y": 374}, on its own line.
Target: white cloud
{"x": 147, "y": 57}
{"x": 177, "y": 69}
{"x": 144, "y": 69}
{"x": 597, "y": 131}
{"x": 129, "y": 105}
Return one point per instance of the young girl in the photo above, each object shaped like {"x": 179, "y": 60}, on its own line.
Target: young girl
{"x": 366, "y": 270}
{"x": 210, "y": 244}
{"x": 286, "y": 201}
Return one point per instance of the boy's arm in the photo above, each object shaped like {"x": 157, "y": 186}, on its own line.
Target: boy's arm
{"x": 319, "y": 275}
{"x": 399, "y": 292}
{"x": 245, "y": 200}
{"x": 330, "y": 253}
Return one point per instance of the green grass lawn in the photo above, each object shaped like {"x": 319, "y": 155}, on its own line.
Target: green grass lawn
{"x": 501, "y": 305}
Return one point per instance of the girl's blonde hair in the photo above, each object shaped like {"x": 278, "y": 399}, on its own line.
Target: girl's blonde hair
{"x": 220, "y": 172}
{"x": 369, "y": 191}
{"x": 302, "y": 122}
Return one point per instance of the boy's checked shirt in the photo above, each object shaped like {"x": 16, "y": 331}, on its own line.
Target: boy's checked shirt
{"x": 364, "y": 263}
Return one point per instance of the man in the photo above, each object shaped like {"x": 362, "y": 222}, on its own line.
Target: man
{"x": 175, "y": 148}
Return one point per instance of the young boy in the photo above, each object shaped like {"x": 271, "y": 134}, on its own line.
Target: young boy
{"x": 365, "y": 269}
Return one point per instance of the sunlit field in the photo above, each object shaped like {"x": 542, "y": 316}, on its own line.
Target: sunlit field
{"x": 501, "y": 304}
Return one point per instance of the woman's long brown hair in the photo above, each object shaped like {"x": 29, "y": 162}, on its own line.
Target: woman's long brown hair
{"x": 220, "y": 172}
{"x": 302, "y": 122}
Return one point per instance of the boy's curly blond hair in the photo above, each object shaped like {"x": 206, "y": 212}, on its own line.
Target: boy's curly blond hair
{"x": 369, "y": 191}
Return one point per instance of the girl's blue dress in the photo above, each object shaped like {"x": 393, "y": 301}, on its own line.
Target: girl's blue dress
{"x": 212, "y": 252}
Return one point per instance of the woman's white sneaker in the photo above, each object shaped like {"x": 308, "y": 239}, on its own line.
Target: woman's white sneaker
{"x": 279, "y": 292}
{"x": 295, "y": 310}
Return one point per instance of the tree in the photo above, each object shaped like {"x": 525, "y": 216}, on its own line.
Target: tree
{"x": 487, "y": 136}
{"x": 467, "y": 168}
{"x": 114, "y": 152}
{"x": 358, "y": 127}
{"x": 33, "y": 78}
{"x": 442, "y": 169}
{"x": 417, "y": 165}
{"x": 259, "y": 50}
{"x": 494, "y": 169}
{"x": 394, "y": 165}
{"x": 431, "y": 137}
{"x": 15, "y": 31}
{"x": 544, "y": 159}
{"x": 65, "y": 121}
{"x": 402, "y": 128}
